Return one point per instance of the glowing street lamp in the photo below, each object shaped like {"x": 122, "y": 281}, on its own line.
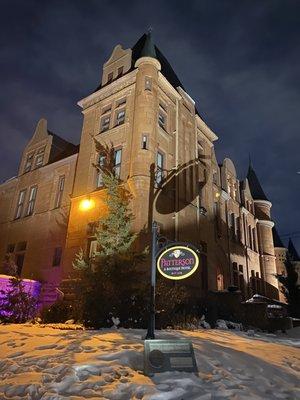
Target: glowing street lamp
{"x": 86, "y": 204}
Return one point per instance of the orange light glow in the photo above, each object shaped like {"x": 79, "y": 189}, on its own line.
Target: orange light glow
{"x": 86, "y": 204}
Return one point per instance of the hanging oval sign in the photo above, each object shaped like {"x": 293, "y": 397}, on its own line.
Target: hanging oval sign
{"x": 177, "y": 262}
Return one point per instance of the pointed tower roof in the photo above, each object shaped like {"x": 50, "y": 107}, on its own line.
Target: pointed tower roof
{"x": 145, "y": 47}
{"x": 292, "y": 251}
{"x": 148, "y": 49}
{"x": 255, "y": 186}
{"x": 276, "y": 238}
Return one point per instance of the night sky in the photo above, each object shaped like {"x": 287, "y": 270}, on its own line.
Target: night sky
{"x": 239, "y": 60}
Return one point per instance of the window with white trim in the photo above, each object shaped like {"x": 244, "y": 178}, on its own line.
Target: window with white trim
{"x": 39, "y": 158}
{"x": 159, "y": 167}
{"x": 28, "y": 163}
{"x": 20, "y": 204}
{"x": 117, "y": 162}
{"x": 60, "y": 190}
{"x": 31, "y": 200}
{"x": 105, "y": 121}
{"x": 101, "y": 163}
{"x": 120, "y": 117}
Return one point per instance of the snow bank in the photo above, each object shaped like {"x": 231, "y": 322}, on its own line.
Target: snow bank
{"x": 53, "y": 364}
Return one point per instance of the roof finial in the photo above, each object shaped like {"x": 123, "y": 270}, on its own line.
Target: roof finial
{"x": 148, "y": 49}
{"x": 150, "y": 29}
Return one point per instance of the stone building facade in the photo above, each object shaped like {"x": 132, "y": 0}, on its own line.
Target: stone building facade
{"x": 164, "y": 154}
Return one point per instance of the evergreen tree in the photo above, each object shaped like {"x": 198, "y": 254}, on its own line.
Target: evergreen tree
{"x": 290, "y": 288}
{"x": 16, "y": 305}
{"x": 112, "y": 284}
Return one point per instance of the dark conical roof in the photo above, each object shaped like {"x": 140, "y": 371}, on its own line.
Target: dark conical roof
{"x": 254, "y": 185}
{"x": 292, "y": 251}
{"x": 148, "y": 49}
{"x": 276, "y": 238}
{"x": 145, "y": 47}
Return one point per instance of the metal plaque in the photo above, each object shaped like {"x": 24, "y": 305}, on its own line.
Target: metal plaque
{"x": 177, "y": 262}
{"x": 169, "y": 355}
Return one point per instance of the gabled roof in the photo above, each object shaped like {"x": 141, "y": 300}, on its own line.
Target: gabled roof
{"x": 255, "y": 186}
{"x": 292, "y": 251}
{"x": 276, "y": 238}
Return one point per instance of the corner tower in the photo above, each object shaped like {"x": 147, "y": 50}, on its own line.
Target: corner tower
{"x": 262, "y": 208}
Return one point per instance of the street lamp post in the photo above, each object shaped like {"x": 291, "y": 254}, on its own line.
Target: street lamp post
{"x": 151, "y": 326}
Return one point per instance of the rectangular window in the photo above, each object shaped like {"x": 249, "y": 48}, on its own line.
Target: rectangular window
{"x": 110, "y": 77}
{"x": 162, "y": 120}
{"x": 105, "y": 123}
{"x": 19, "y": 262}
{"x": 235, "y": 274}
{"x": 241, "y": 279}
{"x": 144, "y": 142}
{"x": 254, "y": 239}
{"x": 31, "y": 200}
{"x": 250, "y": 237}
{"x": 120, "y": 117}
{"x": 159, "y": 167}
{"x": 148, "y": 83}
{"x": 60, "y": 190}
{"x": 101, "y": 163}
{"x": 20, "y": 204}
{"x": 57, "y": 257}
{"x": 233, "y": 226}
{"x": 93, "y": 248}
{"x": 120, "y": 72}
{"x": 29, "y": 161}
{"x": 238, "y": 228}
{"x": 39, "y": 158}
{"x": 117, "y": 162}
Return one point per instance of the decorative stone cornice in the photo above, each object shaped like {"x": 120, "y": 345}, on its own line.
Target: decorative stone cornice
{"x": 205, "y": 129}
{"x": 263, "y": 202}
{"x": 165, "y": 84}
{"x": 106, "y": 91}
{"x": 266, "y": 222}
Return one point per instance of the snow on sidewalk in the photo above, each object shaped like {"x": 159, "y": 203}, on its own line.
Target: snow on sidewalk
{"x": 51, "y": 364}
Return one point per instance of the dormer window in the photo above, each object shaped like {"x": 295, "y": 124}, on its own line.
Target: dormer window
{"x": 29, "y": 161}
{"x": 39, "y": 158}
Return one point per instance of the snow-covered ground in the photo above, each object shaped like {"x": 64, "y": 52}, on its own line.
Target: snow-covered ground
{"x": 51, "y": 364}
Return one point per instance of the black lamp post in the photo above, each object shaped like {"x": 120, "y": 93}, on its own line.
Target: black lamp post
{"x": 151, "y": 326}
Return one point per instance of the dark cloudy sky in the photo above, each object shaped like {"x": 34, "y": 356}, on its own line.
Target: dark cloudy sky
{"x": 239, "y": 59}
